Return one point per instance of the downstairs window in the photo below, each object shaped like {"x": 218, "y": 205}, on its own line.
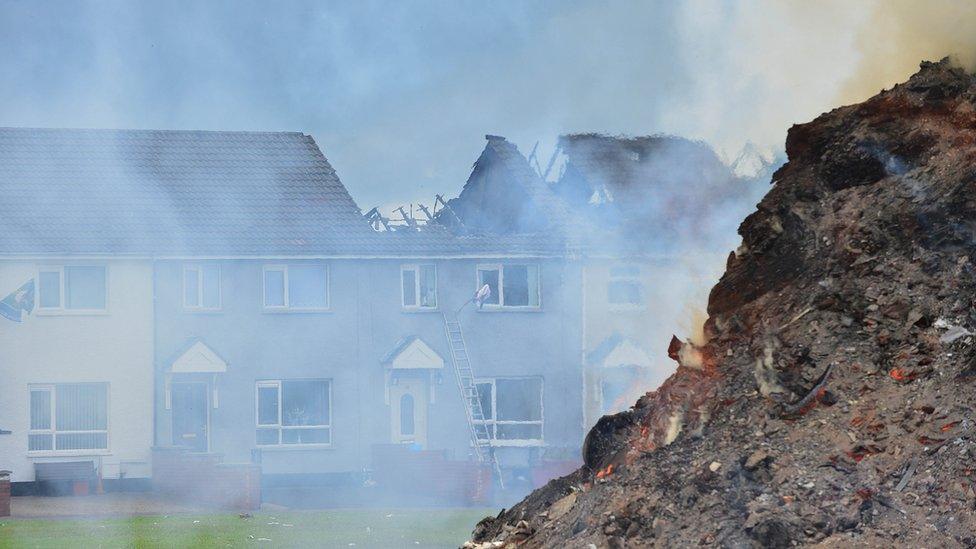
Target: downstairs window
{"x": 294, "y": 412}
{"x": 513, "y": 410}
{"x": 68, "y": 416}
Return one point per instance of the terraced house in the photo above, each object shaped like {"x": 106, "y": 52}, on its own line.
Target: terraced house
{"x": 219, "y": 296}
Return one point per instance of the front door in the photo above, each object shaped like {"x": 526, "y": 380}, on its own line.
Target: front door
{"x": 190, "y": 415}
{"x": 408, "y": 411}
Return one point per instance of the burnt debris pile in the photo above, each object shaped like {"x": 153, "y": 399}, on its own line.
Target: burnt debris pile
{"x": 835, "y": 399}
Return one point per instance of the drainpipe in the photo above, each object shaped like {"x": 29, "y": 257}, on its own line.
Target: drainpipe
{"x": 583, "y": 371}
{"x": 155, "y": 366}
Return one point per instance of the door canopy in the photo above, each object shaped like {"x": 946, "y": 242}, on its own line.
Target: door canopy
{"x": 412, "y": 353}
{"x": 198, "y": 358}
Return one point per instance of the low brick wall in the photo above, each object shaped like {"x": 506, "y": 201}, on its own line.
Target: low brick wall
{"x": 5, "y": 497}
{"x": 429, "y": 474}
{"x": 205, "y": 479}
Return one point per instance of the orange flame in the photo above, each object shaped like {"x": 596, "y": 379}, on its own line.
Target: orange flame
{"x": 898, "y": 374}
{"x": 949, "y": 426}
{"x": 603, "y": 473}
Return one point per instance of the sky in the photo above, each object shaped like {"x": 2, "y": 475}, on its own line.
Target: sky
{"x": 399, "y": 95}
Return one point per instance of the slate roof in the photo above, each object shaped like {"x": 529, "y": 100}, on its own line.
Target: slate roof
{"x": 200, "y": 193}
{"x": 172, "y": 192}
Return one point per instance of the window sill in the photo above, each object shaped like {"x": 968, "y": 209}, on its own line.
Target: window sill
{"x": 67, "y": 453}
{"x": 419, "y": 310}
{"x": 621, "y": 308}
{"x": 72, "y": 312}
{"x": 288, "y": 311}
{"x": 517, "y": 443}
{"x": 294, "y": 447}
{"x": 198, "y": 311}
{"x": 502, "y": 309}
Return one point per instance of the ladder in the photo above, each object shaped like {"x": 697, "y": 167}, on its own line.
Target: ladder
{"x": 473, "y": 411}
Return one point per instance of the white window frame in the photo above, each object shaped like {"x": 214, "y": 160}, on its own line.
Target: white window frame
{"x": 491, "y": 424}
{"x": 53, "y": 432}
{"x": 61, "y": 309}
{"x": 277, "y": 383}
{"x": 632, "y": 278}
{"x": 415, "y": 268}
{"x": 220, "y": 288}
{"x": 500, "y": 267}
{"x": 283, "y": 268}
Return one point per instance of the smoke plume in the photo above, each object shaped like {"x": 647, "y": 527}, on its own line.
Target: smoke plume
{"x": 900, "y": 33}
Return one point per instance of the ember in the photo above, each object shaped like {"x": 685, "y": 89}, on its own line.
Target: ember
{"x": 605, "y": 472}
{"x": 948, "y": 426}
{"x": 899, "y": 374}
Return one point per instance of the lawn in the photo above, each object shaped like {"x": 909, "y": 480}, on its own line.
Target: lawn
{"x": 331, "y": 528}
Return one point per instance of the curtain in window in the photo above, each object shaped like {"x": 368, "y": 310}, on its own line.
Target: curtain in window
{"x": 304, "y": 403}
{"x": 40, "y": 409}
{"x": 82, "y": 407}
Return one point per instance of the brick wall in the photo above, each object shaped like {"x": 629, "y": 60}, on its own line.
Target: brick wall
{"x": 428, "y": 473}
{"x": 5, "y": 498}
{"x": 203, "y": 478}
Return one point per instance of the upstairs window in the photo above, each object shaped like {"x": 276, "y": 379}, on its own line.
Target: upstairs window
{"x": 512, "y": 408}
{"x": 72, "y": 288}
{"x": 511, "y": 285}
{"x": 201, "y": 286}
{"x": 294, "y": 412}
{"x": 68, "y": 417}
{"x": 302, "y": 286}
{"x": 419, "y": 284}
{"x": 625, "y": 288}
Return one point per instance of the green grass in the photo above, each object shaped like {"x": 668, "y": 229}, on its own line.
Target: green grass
{"x": 330, "y": 528}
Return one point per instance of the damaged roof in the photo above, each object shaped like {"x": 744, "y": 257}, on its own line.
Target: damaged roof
{"x": 602, "y": 168}
{"x": 504, "y": 195}
{"x": 163, "y": 192}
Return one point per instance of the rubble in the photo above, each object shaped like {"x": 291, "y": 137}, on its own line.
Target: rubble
{"x": 850, "y": 305}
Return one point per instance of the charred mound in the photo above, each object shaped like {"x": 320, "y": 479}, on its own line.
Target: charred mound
{"x": 834, "y": 401}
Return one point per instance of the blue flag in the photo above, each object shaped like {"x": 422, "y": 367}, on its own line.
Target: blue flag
{"x": 22, "y": 299}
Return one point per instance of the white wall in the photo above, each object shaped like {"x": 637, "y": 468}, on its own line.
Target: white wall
{"x": 114, "y": 347}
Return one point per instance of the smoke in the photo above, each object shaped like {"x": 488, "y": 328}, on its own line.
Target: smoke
{"x": 900, "y": 33}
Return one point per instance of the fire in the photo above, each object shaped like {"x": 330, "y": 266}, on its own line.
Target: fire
{"x": 898, "y": 374}
{"x": 606, "y": 472}
{"x": 949, "y": 426}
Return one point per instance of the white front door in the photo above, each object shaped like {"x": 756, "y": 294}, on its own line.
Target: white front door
{"x": 409, "y": 398}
